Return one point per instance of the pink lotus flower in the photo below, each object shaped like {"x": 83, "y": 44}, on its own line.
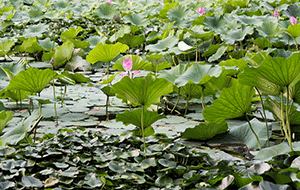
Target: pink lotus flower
{"x": 276, "y": 14}
{"x": 201, "y": 11}
{"x": 127, "y": 65}
{"x": 293, "y": 20}
{"x": 111, "y": 2}
{"x": 52, "y": 61}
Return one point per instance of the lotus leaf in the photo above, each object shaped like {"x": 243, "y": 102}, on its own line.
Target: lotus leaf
{"x": 142, "y": 91}
{"x": 105, "y": 52}
{"x": 205, "y": 131}
{"x": 233, "y": 102}
{"x": 137, "y": 63}
{"x": 63, "y": 54}
{"x": 32, "y": 80}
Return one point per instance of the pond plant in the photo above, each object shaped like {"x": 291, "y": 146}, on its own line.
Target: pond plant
{"x": 161, "y": 94}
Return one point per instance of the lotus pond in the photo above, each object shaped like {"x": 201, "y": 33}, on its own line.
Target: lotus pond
{"x": 149, "y": 94}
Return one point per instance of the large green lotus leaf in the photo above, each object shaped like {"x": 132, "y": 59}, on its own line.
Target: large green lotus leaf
{"x": 269, "y": 29}
{"x": 166, "y": 8}
{"x": 189, "y": 91}
{"x": 63, "y": 54}
{"x": 250, "y": 77}
{"x": 79, "y": 63}
{"x": 157, "y": 67}
{"x": 279, "y": 71}
{"x": 47, "y": 44}
{"x": 178, "y": 14}
{"x": 224, "y": 80}
{"x": 132, "y": 40}
{"x": 215, "y": 23}
{"x": 142, "y": 91}
{"x": 163, "y": 44}
{"x": 5, "y": 117}
{"x": 198, "y": 32}
{"x": 240, "y": 63}
{"x": 32, "y": 80}
{"x": 205, "y": 131}
{"x": 218, "y": 54}
{"x": 292, "y": 10}
{"x": 295, "y": 93}
{"x": 262, "y": 42}
{"x": 18, "y": 133}
{"x": 293, "y": 30}
{"x": 137, "y": 63}
{"x": 134, "y": 117}
{"x": 106, "y": 10}
{"x": 237, "y": 35}
{"x": 269, "y": 152}
{"x": 257, "y": 58}
{"x": 175, "y": 72}
{"x": 211, "y": 50}
{"x": 125, "y": 29}
{"x": 137, "y": 19}
{"x": 273, "y": 105}
{"x": 77, "y": 43}
{"x": 105, "y": 52}
{"x": 243, "y": 134}
{"x": 35, "y": 30}
{"x": 94, "y": 40}
{"x": 71, "y": 33}
{"x": 198, "y": 74}
{"x": 30, "y": 45}
{"x": 5, "y": 47}
{"x": 233, "y": 102}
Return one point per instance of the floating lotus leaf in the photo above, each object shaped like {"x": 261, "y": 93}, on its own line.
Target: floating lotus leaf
{"x": 35, "y": 30}
{"x": 233, "y": 102}
{"x": 32, "y": 80}
{"x": 142, "y": 91}
{"x": 106, "y": 10}
{"x": 105, "y": 52}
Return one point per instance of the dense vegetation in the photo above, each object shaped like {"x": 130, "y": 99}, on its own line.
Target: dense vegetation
{"x": 149, "y": 94}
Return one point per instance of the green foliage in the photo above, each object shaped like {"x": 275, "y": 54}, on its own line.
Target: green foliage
{"x": 105, "y": 52}
{"x": 142, "y": 91}
{"x": 32, "y": 80}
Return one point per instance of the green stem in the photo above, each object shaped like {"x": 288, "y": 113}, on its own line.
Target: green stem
{"x": 296, "y": 43}
{"x": 142, "y": 127}
{"x": 203, "y": 97}
{"x": 258, "y": 141}
{"x": 265, "y": 116}
{"x": 196, "y": 59}
{"x": 106, "y": 109}
{"x": 186, "y": 105}
{"x": 288, "y": 127}
{"x": 177, "y": 101}
{"x": 54, "y": 98}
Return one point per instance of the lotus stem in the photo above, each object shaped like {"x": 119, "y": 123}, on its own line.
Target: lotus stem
{"x": 106, "y": 109}
{"x": 287, "y": 113}
{"x": 142, "y": 127}
{"x": 186, "y": 105}
{"x": 177, "y": 101}
{"x": 196, "y": 59}
{"x": 265, "y": 116}
{"x": 258, "y": 141}
{"x": 54, "y": 98}
{"x": 285, "y": 123}
{"x": 203, "y": 97}
{"x": 296, "y": 43}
